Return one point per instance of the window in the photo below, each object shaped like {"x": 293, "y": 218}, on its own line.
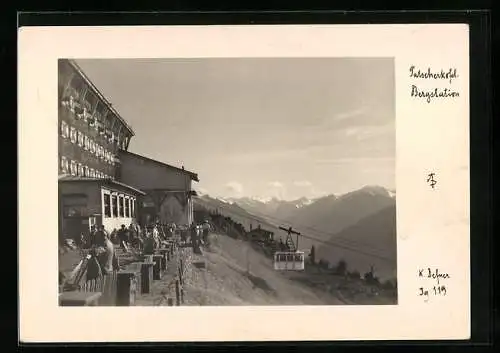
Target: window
{"x": 132, "y": 207}
{"x": 92, "y": 146}
{"x": 80, "y": 169}
{"x": 64, "y": 129}
{"x": 86, "y": 142}
{"x": 73, "y": 168}
{"x": 72, "y": 102}
{"x": 114, "y": 206}
{"x": 73, "y": 135}
{"x": 87, "y": 171}
{"x": 64, "y": 165}
{"x": 92, "y": 173}
{"x": 74, "y": 205}
{"x": 107, "y": 205}
{"x": 127, "y": 207}
{"x": 122, "y": 206}
{"x": 80, "y": 139}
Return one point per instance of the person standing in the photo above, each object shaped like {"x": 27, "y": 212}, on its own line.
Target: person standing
{"x": 122, "y": 236}
{"x": 206, "y": 229}
{"x": 149, "y": 244}
{"x": 156, "y": 236}
{"x": 102, "y": 239}
{"x": 193, "y": 235}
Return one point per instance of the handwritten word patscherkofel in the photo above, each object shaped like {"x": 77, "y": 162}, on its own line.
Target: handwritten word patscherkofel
{"x": 448, "y": 75}
{"x": 429, "y": 94}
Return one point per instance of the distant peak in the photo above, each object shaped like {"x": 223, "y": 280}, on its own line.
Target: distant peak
{"x": 377, "y": 190}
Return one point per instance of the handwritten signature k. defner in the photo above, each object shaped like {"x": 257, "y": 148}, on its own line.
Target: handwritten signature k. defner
{"x": 433, "y": 274}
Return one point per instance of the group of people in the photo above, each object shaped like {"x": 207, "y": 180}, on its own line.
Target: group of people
{"x": 146, "y": 239}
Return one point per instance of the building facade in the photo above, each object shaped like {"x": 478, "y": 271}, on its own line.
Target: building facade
{"x": 91, "y": 132}
{"x": 169, "y": 193}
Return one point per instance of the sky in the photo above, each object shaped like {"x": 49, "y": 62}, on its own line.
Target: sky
{"x": 260, "y": 127}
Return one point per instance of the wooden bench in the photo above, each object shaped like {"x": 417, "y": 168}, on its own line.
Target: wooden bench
{"x": 201, "y": 264}
{"x": 77, "y": 298}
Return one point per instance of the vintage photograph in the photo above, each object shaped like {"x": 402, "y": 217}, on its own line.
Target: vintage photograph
{"x": 227, "y": 181}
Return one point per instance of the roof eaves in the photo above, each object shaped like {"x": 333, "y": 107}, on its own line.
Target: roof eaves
{"x": 193, "y": 175}
{"x": 100, "y": 95}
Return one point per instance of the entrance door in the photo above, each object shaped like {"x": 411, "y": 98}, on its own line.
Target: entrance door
{"x": 74, "y": 226}
{"x": 75, "y": 218}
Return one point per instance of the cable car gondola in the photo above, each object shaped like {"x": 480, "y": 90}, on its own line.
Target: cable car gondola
{"x": 291, "y": 260}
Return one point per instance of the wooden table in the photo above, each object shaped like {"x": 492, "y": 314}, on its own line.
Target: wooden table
{"x": 77, "y": 298}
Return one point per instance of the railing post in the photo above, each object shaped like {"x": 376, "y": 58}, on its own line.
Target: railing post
{"x": 126, "y": 288}
{"x": 177, "y": 293}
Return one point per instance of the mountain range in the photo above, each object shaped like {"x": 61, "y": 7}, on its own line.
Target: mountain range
{"x": 358, "y": 227}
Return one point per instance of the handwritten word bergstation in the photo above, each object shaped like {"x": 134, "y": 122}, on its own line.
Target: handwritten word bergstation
{"x": 430, "y": 94}
{"x": 437, "y": 288}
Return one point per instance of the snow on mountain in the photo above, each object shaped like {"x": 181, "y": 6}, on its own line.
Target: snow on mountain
{"x": 225, "y": 200}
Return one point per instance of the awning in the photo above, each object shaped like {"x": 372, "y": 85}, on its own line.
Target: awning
{"x": 110, "y": 182}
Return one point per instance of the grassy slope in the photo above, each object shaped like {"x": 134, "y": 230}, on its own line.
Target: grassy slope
{"x": 225, "y": 280}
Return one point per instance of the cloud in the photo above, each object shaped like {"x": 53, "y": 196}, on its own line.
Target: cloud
{"x": 358, "y": 161}
{"x": 302, "y": 183}
{"x": 234, "y": 187}
{"x": 350, "y": 114}
{"x": 276, "y": 184}
{"x": 278, "y": 189}
{"x": 202, "y": 191}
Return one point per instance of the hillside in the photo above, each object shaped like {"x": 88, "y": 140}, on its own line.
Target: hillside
{"x": 363, "y": 221}
{"x": 377, "y": 234}
{"x": 236, "y": 273}
{"x": 322, "y": 218}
